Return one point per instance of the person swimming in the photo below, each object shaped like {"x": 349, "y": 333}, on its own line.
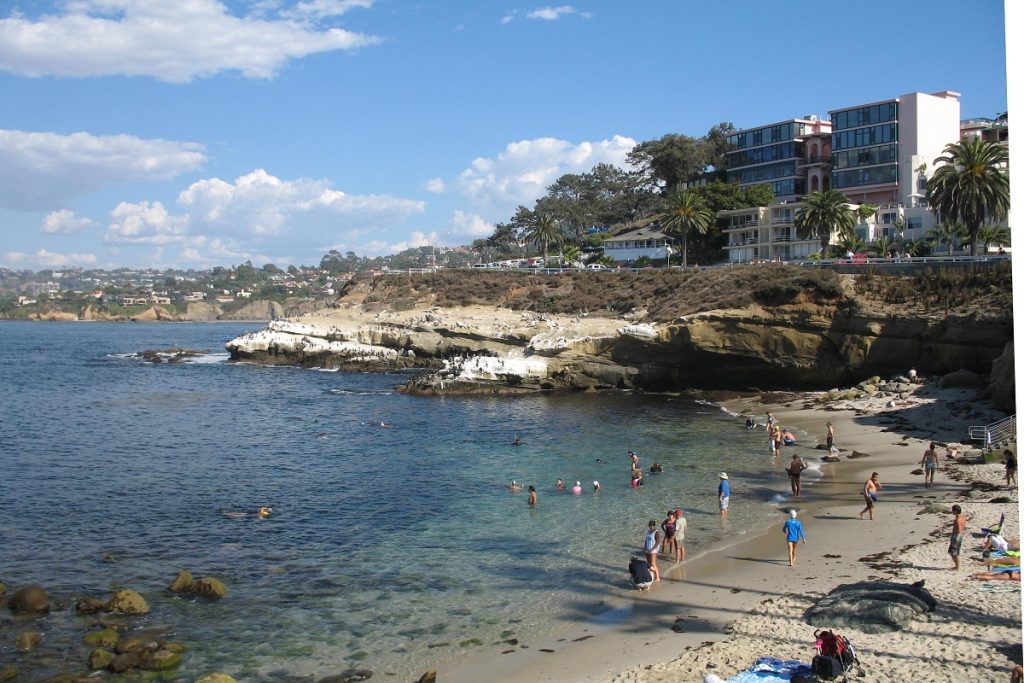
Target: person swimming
{"x": 517, "y": 441}
{"x": 265, "y": 511}
{"x": 577, "y": 489}
{"x": 515, "y": 486}
{"x": 559, "y": 484}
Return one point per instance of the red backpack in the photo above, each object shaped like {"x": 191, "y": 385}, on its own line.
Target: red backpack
{"x": 835, "y": 655}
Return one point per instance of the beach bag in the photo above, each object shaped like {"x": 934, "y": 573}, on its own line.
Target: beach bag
{"x": 824, "y": 666}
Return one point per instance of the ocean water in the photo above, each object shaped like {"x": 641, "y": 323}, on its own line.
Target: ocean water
{"x": 390, "y": 548}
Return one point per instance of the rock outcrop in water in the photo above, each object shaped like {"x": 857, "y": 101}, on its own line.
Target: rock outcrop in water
{"x": 495, "y": 350}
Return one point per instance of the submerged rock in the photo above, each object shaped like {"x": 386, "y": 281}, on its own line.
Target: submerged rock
{"x": 28, "y": 640}
{"x": 349, "y": 676}
{"x": 209, "y": 588}
{"x": 127, "y": 601}
{"x": 89, "y": 605}
{"x": 182, "y": 582}
{"x": 29, "y": 600}
{"x": 216, "y": 678}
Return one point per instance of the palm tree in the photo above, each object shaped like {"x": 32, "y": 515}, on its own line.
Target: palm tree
{"x": 916, "y": 247}
{"x": 544, "y": 231}
{"x": 883, "y": 245}
{"x": 824, "y": 213}
{"x": 570, "y": 254}
{"x": 850, "y": 243}
{"x": 994, "y": 234}
{"x": 686, "y": 211}
{"x": 970, "y": 185}
{"x": 947, "y": 235}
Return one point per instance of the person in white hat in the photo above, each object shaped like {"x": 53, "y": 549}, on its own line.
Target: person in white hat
{"x": 723, "y": 494}
{"x": 577, "y": 489}
{"x": 597, "y": 486}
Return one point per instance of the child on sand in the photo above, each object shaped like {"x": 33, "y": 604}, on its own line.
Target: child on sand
{"x": 652, "y": 545}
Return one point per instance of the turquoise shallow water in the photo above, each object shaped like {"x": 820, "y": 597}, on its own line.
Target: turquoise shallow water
{"x": 389, "y": 548}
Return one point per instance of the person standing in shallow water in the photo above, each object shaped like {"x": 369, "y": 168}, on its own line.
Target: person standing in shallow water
{"x": 532, "y": 500}
{"x": 796, "y": 467}
{"x": 830, "y": 436}
{"x": 723, "y": 494}
{"x": 652, "y": 547}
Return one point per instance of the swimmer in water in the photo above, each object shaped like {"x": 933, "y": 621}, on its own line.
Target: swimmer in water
{"x": 597, "y": 486}
{"x": 517, "y": 441}
{"x": 265, "y": 511}
{"x": 559, "y": 484}
{"x": 514, "y": 487}
{"x": 577, "y": 489}
{"x": 532, "y": 500}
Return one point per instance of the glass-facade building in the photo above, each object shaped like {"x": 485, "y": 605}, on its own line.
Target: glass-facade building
{"x": 865, "y": 143}
{"x": 768, "y": 155}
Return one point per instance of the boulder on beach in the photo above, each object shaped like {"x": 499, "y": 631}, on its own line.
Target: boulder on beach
{"x": 127, "y": 601}
{"x": 961, "y": 379}
{"x": 29, "y": 600}
{"x": 871, "y": 607}
{"x": 100, "y": 658}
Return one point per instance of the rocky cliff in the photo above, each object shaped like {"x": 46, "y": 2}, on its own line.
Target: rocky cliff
{"x": 803, "y": 342}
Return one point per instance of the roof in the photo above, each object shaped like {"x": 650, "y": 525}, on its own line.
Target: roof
{"x": 648, "y": 232}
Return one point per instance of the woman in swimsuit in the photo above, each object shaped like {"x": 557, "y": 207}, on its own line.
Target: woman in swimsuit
{"x": 652, "y": 545}
{"x": 669, "y": 527}
{"x": 930, "y": 461}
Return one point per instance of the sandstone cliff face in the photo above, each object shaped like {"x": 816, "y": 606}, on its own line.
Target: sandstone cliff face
{"x": 492, "y": 349}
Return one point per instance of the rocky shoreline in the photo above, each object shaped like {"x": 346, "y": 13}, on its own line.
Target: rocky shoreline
{"x": 494, "y": 350}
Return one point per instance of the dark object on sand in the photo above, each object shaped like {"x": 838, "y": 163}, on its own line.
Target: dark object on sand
{"x": 871, "y": 606}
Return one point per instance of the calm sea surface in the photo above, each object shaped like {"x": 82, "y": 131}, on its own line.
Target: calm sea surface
{"x": 384, "y": 541}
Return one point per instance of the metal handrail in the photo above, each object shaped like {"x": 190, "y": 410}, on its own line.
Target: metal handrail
{"x": 998, "y": 432}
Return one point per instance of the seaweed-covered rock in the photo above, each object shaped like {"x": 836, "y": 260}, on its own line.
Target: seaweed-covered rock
{"x": 871, "y": 606}
{"x": 209, "y": 588}
{"x": 160, "y": 660}
{"x": 29, "y": 600}
{"x": 217, "y": 678}
{"x": 89, "y": 605}
{"x": 127, "y": 601}
{"x": 182, "y": 582}
{"x": 8, "y": 673}
{"x": 106, "y": 638}
{"x": 125, "y": 662}
{"x": 100, "y": 658}
{"x": 26, "y": 641}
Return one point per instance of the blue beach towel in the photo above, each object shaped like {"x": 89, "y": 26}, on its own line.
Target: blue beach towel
{"x": 771, "y": 670}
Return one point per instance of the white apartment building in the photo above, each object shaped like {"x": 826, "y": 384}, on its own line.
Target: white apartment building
{"x": 648, "y": 241}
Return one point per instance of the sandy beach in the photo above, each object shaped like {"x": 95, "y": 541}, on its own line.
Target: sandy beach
{"x": 718, "y": 612}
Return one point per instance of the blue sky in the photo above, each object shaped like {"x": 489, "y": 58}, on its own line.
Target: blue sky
{"x": 197, "y": 133}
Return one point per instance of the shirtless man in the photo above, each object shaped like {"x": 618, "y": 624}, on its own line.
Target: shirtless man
{"x": 796, "y": 466}
{"x": 930, "y": 462}
{"x": 956, "y": 536}
{"x": 871, "y": 487}
{"x": 830, "y": 436}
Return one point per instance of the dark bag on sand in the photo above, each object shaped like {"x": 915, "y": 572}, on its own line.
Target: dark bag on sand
{"x": 826, "y": 667}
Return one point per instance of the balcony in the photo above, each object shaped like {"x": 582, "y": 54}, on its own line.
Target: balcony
{"x": 781, "y": 220}
{"x": 782, "y": 238}
{"x": 816, "y": 161}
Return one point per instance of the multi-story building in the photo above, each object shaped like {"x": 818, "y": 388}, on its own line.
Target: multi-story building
{"x": 790, "y": 156}
{"x": 881, "y": 153}
{"x": 989, "y": 130}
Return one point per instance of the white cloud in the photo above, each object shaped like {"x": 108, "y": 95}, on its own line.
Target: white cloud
{"x": 170, "y": 41}
{"x": 42, "y": 170}
{"x": 65, "y": 222}
{"x": 470, "y": 225}
{"x": 435, "y": 185}
{"x": 521, "y": 173}
{"x": 51, "y": 259}
{"x": 551, "y": 13}
{"x": 145, "y": 223}
{"x": 13, "y": 258}
{"x": 415, "y": 239}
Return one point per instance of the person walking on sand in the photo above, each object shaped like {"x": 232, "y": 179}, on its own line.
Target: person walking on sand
{"x": 794, "y": 531}
{"x": 796, "y": 466}
{"x": 830, "y": 436}
{"x": 1010, "y": 461}
{"x": 769, "y": 422}
{"x": 870, "y": 492}
{"x": 723, "y": 494}
{"x": 930, "y": 462}
{"x": 652, "y": 546}
{"x": 532, "y": 500}
{"x": 956, "y": 536}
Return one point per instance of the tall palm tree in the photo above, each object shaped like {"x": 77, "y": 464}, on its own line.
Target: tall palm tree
{"x": 824, "y": 213}
{"x": 883, "y": 245}
{"x": 970, "y": 184}
{"x": 686, "y": 211}
{"x": 544, "y": 231}
{"x": 994, "y": 234}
